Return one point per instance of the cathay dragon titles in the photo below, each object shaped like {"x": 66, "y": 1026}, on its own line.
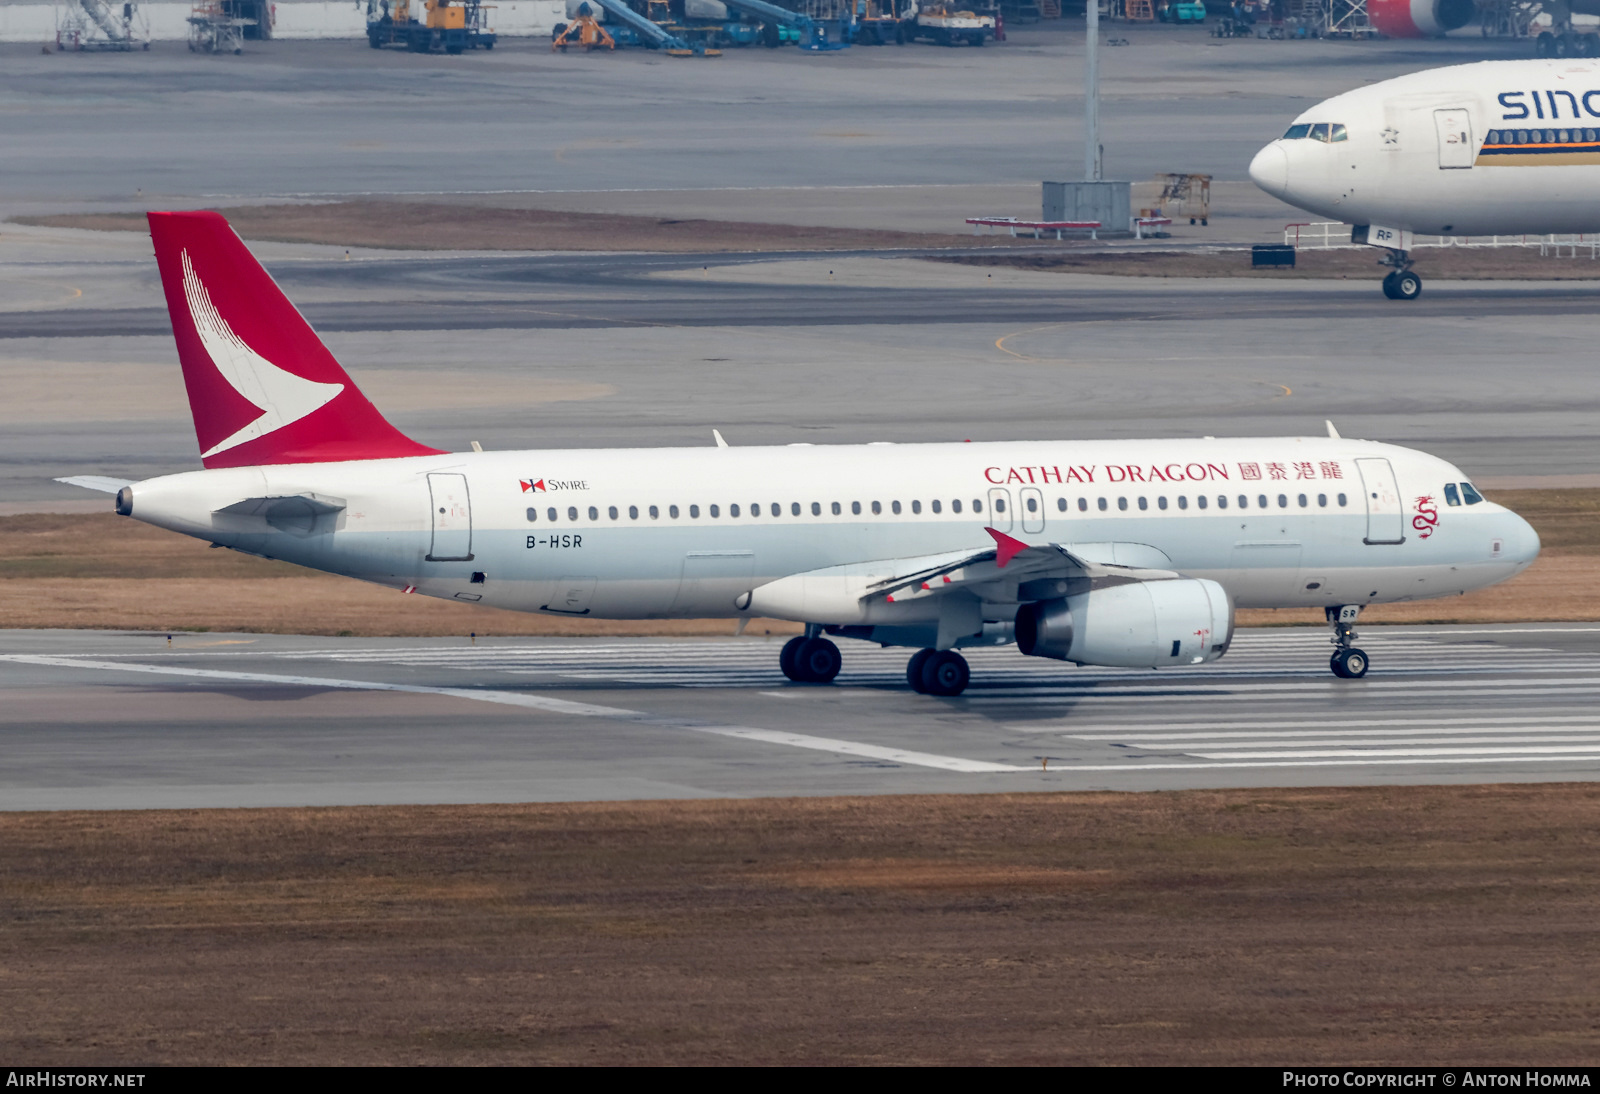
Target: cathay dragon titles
{"x": 1496, "y": 148}
{"x": 1129, "y": 553}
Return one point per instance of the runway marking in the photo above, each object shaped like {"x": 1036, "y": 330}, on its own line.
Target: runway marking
{"x": 547, "y": 703}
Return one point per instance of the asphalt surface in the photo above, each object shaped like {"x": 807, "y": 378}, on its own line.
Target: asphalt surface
{"x": 124, "y": 721}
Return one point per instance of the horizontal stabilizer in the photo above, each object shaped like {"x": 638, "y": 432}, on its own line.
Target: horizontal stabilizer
{"x": 96, "y": 482}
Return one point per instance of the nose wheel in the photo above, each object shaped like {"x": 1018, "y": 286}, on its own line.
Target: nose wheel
{"x": 810, "y": 660}
{"x": 1402, "y": 285}
{"x": 1347, "y": 662}
{"x": 938, "y": 672}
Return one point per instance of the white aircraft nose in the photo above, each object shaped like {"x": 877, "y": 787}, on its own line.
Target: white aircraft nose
{"x": 1270, "y": 170}
{"x": 1521, "y": 541}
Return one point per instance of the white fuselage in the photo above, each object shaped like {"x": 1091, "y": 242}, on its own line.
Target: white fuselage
{"x": 658, "y": 533}
{"x": 1493, "y": 148}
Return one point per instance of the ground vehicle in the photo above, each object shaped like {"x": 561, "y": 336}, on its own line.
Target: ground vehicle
{"x": 434, "y": 26}
{"x": 1182, "y": 11}
{"x": 945, "y": 27}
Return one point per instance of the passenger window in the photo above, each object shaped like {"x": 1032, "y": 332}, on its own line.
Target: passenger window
{"x": 935, "y": 504}
{"x": 1522, "y": 136}
{"x": 594, "y": 514}
{"x": 1549, "y": 136}
{"x": 1322, "y": 501}
{"x": 1564, "y": 137}
{"x": 1183, "y": 501}
{"x": 1493, "y": 137}
{"x": 876, "y": 509}
{"x": 777, "y": 510}
{"x": 572, "y": 512}
{"x": 654, "y": 512}
{"x": 1061, "y": 505}
{"x": 1102, "y": 504}
{"x": 855, "y": 508}
{"x": 533, "y": 516}
{"x": 1297, "y": 132}
{"x": 916, "y": 507}
{"x": 1200, "y": 501}
{"x": 1122, "y": 504}
{"x": 1143, "y": 504}
{"x": 1319, "y": 132}
{"x": 1302, "y": 501}
{"x": 714, "y": 511}
{"x": 1161, "y": 502}
{"x": 1472, "y": 496}
{"x": 1261, "y": 502}
{"x": 977, "y": 505}
{"x": 694, "y": 512}
{"x": 1033, "y": 505}
{"x": 672, "y": 511}
{"x": 1452, "y": 496}
{"x": 836, "y": 509}
{"x": 612, "y": 512}
{"x": 733, "y": 510}
{"x": 1343, "y": 501}
{"x": 816, "y": 509}
{"x": 1244, "y": 502}
{"x": 955, "y": 506}
{"x": 1339, "y": 133}
{"x": 1283, "y": 501}
{"x": 1083, "y": 505}
{"x": 552, "y": 513}
{"x": 1222, "y": 501}
{"x": 633, "y": 512}
{"x": 894, "y": 507}
{"x": 1588, "y": 135}
{"x": 999, "y": 505}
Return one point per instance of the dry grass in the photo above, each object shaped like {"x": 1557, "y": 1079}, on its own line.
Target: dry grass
{"x": 424, "y": 226}
{"x": 1412, "y": 925}
{"x": 104, "y": 571}
{"x": 1443, "y": 264}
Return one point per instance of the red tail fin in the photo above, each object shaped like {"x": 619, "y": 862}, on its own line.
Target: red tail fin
{"x": 262, "y": 387}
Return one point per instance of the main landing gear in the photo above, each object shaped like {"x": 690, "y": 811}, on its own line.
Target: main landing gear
{"x": 1402, "y": 282}
{"x": 812, "y": 660}
{"x": 938, "y": 672}
{"x": 1347, "y": 663}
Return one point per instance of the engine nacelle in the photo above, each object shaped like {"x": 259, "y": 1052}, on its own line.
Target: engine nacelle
{"x": 1418, "y": 18}
{"x": 1141, "y": 624}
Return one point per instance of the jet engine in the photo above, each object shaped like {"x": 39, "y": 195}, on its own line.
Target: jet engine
{"x": 1418, "y": 18}
{"x": 1140, "y": 624}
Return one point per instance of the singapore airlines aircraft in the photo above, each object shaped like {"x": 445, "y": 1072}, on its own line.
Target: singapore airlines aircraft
{"x": 1494, "y": 148}
{"x": 1130, "y": 553}
{"x": 1433, "y": 18}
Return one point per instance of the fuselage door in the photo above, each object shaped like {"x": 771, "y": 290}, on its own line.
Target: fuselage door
{"x": 1456, "y": 146}
{"x": 1000, "y": 509}
{"x": 1385, "y": 514}
{"x": 1032, "y": 500}
{"x": 452, "y": 519}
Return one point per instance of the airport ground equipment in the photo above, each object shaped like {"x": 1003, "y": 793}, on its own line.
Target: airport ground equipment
{"x": 1191, "y": 192}
{"x": 1037, "y": 226}
{"x": 653, "y": 35}
{"x": 1182, "y": 11}
{"x": 429, "y": 26}
{"x": 817, "y": 35}
{"x": 214, "y": 28}
{"x": 582, "y": 31}
{"x": 946, "y": 27}
{"x": 101, "y": 26}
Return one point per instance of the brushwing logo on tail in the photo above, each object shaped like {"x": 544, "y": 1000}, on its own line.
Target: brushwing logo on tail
{"x": 282, "y": 397}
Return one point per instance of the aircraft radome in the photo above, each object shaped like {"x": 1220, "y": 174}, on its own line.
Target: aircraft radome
{"x": 1493, "y": 148}
{"x": 1123, "y": 553}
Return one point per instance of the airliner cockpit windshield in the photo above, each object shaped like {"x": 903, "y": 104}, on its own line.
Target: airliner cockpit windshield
{"x": 1326, "y": 132}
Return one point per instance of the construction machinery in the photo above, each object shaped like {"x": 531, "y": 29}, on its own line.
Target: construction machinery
{"x": 98, "y": 25}
{"x": 432, "y": 26}
{"x": 583, "y": 31}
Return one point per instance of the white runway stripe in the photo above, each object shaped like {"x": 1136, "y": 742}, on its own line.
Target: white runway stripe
{"x": 546, "y": 703}
{"x": 1536, "y": 750}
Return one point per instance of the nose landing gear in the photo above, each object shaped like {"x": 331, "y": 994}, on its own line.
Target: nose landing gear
{"x": 1347, "y": 662}
{"x": 1402, "y": 282}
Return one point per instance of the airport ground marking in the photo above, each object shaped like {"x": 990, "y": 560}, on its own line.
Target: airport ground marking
{"x": 549, "y": 704}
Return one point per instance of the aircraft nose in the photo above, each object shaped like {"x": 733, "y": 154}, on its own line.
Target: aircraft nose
{"x": 1521, "y": 541}
{"x": 1270, "y": 170}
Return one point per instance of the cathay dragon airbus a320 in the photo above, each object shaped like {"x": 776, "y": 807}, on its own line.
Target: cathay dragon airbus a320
{"x": 1124, "y": 553}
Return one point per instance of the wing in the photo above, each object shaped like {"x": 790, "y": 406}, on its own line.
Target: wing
{"x": 96, "y": 482}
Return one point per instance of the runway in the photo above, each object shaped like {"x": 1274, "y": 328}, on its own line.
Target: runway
{"x": 124, "y": 721}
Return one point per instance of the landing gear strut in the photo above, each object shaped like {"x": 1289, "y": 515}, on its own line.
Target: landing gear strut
{"x": 812, "y": 660}
{"x": 1402, "y": 283}
{"x": 1347, "y": 663}
{"x": 938, "y": 672}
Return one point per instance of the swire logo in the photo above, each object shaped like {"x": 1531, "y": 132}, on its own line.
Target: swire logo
{"x": 532, "y": 484}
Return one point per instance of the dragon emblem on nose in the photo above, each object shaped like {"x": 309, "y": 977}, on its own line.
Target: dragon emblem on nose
{"x": 1427, "y": 518}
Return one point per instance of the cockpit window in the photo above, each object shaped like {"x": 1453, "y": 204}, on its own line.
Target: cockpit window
{"x": 1471, "y": 495}
{"x": 1326, "y": 132}
{"x": 1452, "y": 496}
{"x": 1319, "y": 132}
{"x": 1339, "y": 133}
{"x": 1297, "y": 133}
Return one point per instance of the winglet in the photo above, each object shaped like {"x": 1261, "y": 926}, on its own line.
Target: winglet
{"x": 1332, "y": 432}
{"x": 716, "y": 435}
{"x": 1005, "y": 548}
